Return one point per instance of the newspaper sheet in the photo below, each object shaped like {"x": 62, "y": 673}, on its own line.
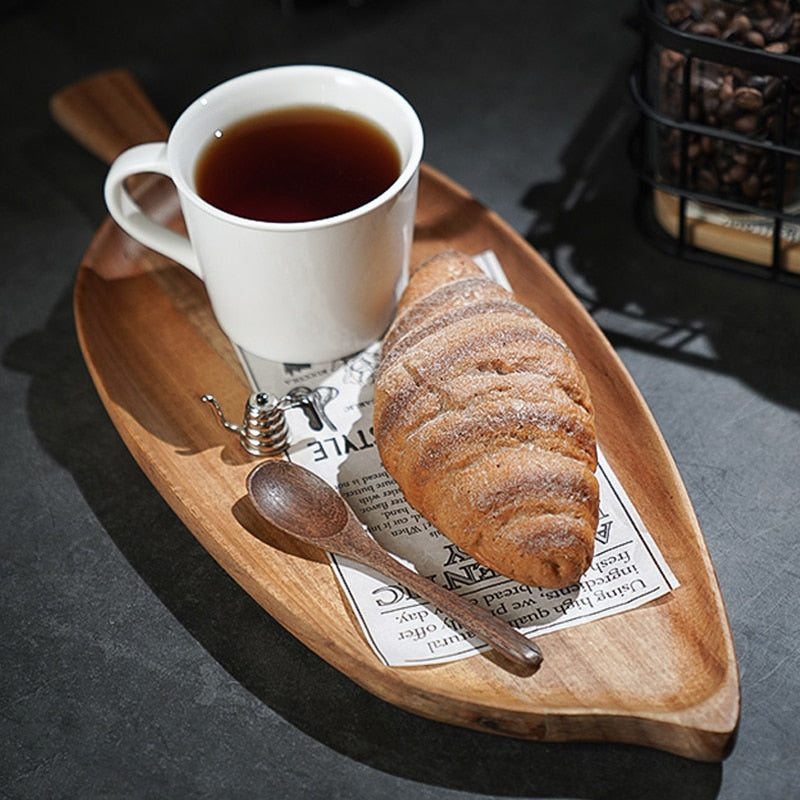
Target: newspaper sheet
{"x": 333, "y": 437}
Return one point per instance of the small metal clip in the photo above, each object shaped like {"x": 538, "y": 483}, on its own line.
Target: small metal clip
{"x": 264, "y": 430}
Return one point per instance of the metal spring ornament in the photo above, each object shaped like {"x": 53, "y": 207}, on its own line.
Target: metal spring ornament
{"x": 264, "y": 430}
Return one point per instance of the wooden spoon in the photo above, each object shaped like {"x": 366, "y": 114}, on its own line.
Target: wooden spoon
{"x": 303, "y": 505}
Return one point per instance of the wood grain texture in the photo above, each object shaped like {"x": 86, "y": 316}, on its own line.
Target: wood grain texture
{"x": 108, "y": 113}
{"x": 664, "y": 675}
{"x": 713, "y": 237}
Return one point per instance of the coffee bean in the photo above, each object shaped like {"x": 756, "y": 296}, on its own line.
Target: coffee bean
{"x": 741, "y": 23}
{"x": 676, "y": 13}
{"x": 736, "y": 174}
{"x": 705, "y": 28}
{"x": 747, "y": 123}
{"x": 779, "y": 48}
{"x": 670, "y": 59}
{"x": 748, "y": 99}
{"x": 727, "y": 91}
{"x": 765, "y": 25}
{"x": 773, "y": 89}
{"x": 751, "y": 187}
{"x": 754, "y": 38}
{"x": 707, "y": 181}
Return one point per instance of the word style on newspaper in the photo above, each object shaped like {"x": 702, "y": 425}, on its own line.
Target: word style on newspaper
{"x": 332, "y": 436}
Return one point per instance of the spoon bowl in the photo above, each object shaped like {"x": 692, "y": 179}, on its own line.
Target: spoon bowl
{"x": 298, "y": 501}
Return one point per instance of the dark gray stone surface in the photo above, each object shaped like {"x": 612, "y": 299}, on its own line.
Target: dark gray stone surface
{"x": 131, "y": 665}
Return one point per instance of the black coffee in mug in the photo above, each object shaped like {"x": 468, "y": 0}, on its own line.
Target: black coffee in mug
{"x": 296, "y": 164}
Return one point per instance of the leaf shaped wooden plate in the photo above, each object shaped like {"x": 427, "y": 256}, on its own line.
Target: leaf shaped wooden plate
{"x": 663, "y": 675}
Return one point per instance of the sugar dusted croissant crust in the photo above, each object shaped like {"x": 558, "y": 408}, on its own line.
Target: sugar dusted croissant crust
{"x": 483, "y": 417}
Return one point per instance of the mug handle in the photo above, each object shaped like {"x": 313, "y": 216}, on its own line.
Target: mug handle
{"x": 149, "y": 157}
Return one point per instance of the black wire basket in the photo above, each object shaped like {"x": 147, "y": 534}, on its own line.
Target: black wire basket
{"x": 718, "y": 147}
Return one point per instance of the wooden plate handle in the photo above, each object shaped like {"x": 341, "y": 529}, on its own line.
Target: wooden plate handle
{"x": 107, "y": 113}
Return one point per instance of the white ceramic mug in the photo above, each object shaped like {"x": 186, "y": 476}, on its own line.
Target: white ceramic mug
{"x": 294, "y": 292}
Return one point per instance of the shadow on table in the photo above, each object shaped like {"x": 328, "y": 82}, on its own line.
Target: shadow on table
{"x": 585, "y": 225}
{"x": 277, "y": 669}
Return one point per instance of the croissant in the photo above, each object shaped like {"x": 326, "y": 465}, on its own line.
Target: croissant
{"x": 483, "y": 417}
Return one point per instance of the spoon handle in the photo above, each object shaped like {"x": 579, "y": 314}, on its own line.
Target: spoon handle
{"x": 492, "y": 630}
